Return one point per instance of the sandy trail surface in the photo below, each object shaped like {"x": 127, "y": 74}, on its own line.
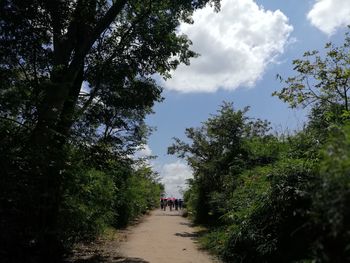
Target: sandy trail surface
{"x": 163, "y": 237}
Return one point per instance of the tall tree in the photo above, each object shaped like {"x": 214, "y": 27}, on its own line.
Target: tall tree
{"x": 85, "y": 63}
{"x": 218, "y": 152}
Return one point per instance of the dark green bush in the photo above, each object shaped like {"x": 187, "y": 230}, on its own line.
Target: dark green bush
{"x": 87, "y": 205}
{"x": 331, "y": 200}
{"x": 278, "y": 229}
{"x": 138, "y": 194}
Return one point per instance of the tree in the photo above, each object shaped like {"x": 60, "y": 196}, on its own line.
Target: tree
{"x": 322, "y": 82}
{"x": 218, "y": 152}
{"x": 79, "y": 69}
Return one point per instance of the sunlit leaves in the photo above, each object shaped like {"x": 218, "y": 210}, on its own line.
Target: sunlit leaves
{"x": 319, "y": 80}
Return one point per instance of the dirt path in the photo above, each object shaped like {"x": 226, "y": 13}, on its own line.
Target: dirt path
{"x": 163, "y": 237}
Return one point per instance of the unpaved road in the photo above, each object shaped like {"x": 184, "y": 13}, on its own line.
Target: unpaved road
{"x": 163, "y": 237}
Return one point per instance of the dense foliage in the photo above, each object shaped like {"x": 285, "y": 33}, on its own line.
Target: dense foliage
{"x": 74, "y": 92}
{"x": 75, "y": 88}
{"x": 271, "y": 197}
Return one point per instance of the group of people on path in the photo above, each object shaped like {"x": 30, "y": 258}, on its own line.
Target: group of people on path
{"x": 172, "y": 203}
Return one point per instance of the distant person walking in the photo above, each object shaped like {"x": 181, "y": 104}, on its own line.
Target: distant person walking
{"x": 180, "y": 204}
{"x": 176, "y": 204}
{"x": 162, "y": 203}
{"x": 170, "y": 204}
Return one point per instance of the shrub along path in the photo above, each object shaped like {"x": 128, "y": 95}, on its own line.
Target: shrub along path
{"x": 163, "y": 236}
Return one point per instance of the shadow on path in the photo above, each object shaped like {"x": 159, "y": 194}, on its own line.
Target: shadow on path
{"x": 187, "y": 224}
{"x": 186, "y": 234}
{"x": 192, "y": 235}
{"x": 105, "y": 259}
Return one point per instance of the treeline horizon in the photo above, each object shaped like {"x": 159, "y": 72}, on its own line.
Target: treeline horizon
{"x": 269, "y": 197}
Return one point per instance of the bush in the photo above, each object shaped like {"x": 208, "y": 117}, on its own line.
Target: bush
{"x": 277, "y": 230}
{"x": 87, "y": 205}
{"x": 331, "y": 200}
{"x": 214, "y": 240}
{"x": 138, "y": 194}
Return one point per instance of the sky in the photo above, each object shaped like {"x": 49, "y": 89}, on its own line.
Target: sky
{"x": 242, "y": 48}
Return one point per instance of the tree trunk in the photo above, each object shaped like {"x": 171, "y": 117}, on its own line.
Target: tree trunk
{"x": 55, "y": 118}
{"x": 48, "y": 159}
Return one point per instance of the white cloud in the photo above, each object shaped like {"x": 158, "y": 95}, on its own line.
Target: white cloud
{"x": 329, "y": 15}
{"x": 143, "y": 151}
{"x": 235, "y": 44}
{"x": 174, "y": 176}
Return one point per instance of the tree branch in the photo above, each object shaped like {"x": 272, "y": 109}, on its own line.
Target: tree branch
{"x": 15, "y": 121}
{"x": 24, "y": 72}
{"x": 118, "y": 50}
{"x": 106, "y": 20}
